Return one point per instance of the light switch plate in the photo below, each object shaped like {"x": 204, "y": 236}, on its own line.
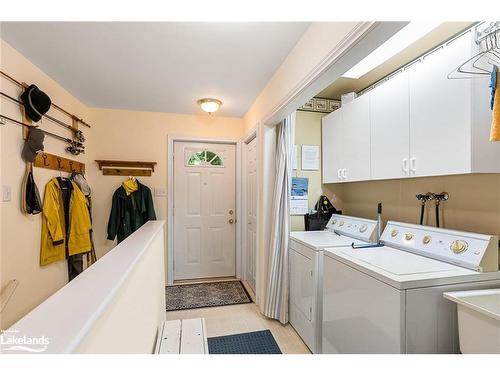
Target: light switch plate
{"x": 6, "y": 193}
{"x": 160, "y": 192}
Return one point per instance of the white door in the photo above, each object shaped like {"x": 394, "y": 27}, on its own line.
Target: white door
{"x": 390, "y": 128}
{"x": 440, "y": 113}
{"x": 251, "y": 212}
{"x": 204, "y": 210}
{"x": 356, "y": 140}
{"x": 332, "y": 146}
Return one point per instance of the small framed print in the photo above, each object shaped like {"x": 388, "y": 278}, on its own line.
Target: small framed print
{"x": 333, "y": 105}
{"x": 309, "y": 105}
{"x": 320, "y": 104}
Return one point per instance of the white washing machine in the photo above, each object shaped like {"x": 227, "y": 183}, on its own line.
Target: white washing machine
{"x": 390, "y": 299}
{"x": 306, "y": 274}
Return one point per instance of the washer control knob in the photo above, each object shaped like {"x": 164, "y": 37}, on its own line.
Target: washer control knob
{"x": 458, "y": 246}
{"x": 363, "y": 228}
{"x": 426, "y": 240}
{"x": 394, "y": 233}
{"x": 334, "y": 221}
{"x": 408, "y": 236}
{"x": 341, "y": 223}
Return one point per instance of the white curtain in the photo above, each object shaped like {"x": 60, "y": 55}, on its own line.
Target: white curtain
{"x": 276, "y": 305}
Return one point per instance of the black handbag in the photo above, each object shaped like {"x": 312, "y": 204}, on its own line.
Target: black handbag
{"x": 324, "y": 211}
{"x": 32, "y": 198}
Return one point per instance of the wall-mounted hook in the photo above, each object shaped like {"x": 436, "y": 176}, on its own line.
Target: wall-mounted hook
{"x": 44, "y": 157}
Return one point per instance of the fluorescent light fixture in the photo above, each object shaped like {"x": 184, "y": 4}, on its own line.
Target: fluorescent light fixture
{"x": 392, "y": 46}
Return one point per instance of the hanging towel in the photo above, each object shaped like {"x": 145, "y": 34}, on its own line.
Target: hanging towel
{"x": 495, "y": 116}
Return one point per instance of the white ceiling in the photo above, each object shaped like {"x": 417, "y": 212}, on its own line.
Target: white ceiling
{"x": 161, "y": 67}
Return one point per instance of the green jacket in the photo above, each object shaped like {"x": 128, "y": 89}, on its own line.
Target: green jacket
{"x": 129, "y": 213}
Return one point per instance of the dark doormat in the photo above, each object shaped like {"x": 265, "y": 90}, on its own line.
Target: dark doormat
{"x": 193, "y": 296}
{"x": 258, "y": 342}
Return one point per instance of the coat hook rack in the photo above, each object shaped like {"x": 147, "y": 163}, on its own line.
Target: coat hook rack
{"x": 126, "y": 168}
{"x": 58, "y": 163}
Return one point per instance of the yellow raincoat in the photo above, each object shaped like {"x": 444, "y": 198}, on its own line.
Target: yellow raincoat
{"x": 53, "y": 241}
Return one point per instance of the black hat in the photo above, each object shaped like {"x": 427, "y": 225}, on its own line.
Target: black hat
{"x": 33, "y": 144}
{"x": 36, "y": 102}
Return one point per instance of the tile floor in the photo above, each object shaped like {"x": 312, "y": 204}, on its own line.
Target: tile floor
{"x": 227, "y": 320}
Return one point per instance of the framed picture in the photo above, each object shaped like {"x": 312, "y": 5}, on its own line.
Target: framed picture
{"x": 310, "y": 157}
{"x": 320, "y": 104}
{"x": 333, "y": 105}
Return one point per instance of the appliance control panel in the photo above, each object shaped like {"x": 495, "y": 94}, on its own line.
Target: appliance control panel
{"x": 469, "y": 250}
{"x": 355, "y": 227}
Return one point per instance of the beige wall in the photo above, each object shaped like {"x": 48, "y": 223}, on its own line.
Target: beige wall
{"x": 127, "y": 135}
{"x": 474, "y": 203}
{"x": 309, "y": 53}
{"x": 114, "y": 134}
{"x": 19, "y": 233}
{"x": 307, "y": 132}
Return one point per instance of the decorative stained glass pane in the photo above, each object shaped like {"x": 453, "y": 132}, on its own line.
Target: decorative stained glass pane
{"x": 216, "y": 161}
{"x": 205, "y": 158}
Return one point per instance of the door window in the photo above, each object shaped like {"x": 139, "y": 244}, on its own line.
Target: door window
{"x": 205, "y": 158}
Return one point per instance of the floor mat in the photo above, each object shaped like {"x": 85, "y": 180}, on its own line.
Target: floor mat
{"x": 193, "y": 296}
{"x": 259, "y": 342}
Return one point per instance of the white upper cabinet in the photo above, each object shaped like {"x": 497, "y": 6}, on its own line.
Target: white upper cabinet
{"x": 332, "y": 146}
{"x": 356, "y": 142}
{"x": 440, "y": 113}
{"x": 390, "y": 128}
{"x": 417, "y": 123}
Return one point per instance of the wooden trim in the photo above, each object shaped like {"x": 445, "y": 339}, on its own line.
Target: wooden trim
{"x": 126, "y": 164}
{"x": 126, "y": 172}
{"x": 58, "y": 163}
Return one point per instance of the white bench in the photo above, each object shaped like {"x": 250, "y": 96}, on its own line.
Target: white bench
{"x": 187, "y": 336}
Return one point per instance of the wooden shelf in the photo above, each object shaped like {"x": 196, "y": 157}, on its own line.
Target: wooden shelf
{"x": 126, "y": 168}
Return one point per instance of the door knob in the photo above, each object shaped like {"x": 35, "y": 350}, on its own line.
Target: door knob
{"x": 231, "y": 221}
{"x": 231, "y": 212}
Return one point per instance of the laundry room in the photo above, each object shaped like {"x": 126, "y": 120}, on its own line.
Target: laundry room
{"x": 304, "y": 187}
{"x": 409, "y": 158}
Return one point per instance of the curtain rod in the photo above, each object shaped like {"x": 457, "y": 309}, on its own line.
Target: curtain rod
{"x": 53, "y": 104}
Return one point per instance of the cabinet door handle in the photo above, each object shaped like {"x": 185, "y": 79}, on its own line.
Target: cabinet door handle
{"x": 404, "y": 165}
{"x": 344, "y": 173}
{"x": 338, "y": 173}
{"x": 413, "y": 164}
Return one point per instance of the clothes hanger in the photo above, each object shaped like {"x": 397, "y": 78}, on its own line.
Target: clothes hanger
{"x": 490, "y": 51}
{"x": 492, "y": 55}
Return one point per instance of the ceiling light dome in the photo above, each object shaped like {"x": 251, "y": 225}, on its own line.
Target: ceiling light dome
{"x": 209, "y": 105}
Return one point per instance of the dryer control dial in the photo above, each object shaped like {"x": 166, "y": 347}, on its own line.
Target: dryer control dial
{"x": 408, "y": 236}
{"x": 341, "y": 223}
{"x": 459, "y": 246}
{"x": 394, "y": 233}
{"x": 426, "y": 240}
{"x": 363, "y": 228}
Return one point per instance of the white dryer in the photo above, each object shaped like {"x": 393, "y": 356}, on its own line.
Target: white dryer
{"x": 306, "y": 270}
{"x": 390, "y": 299}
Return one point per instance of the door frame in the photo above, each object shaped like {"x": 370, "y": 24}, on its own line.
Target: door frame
{"x": 171, "y": 139}
{"x": 252, "y": 134}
